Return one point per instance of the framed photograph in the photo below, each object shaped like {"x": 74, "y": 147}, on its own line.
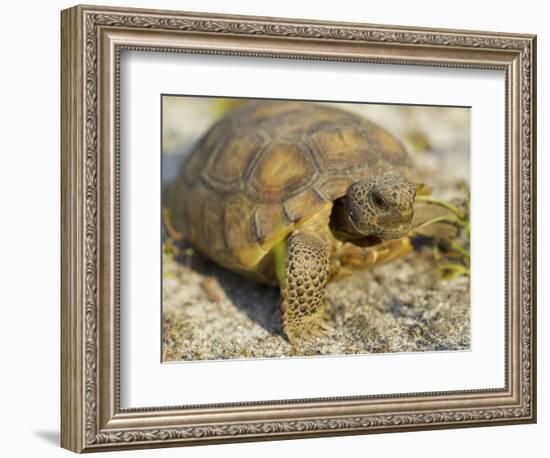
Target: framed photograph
{"x": 278, "y": 228}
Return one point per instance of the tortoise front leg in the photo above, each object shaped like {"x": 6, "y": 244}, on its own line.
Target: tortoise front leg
{"x": 350, "y": 258}
{"x": 303, "y": 287}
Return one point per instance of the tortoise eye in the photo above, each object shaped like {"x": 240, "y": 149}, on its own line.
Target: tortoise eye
{"x": 378, "y": 200}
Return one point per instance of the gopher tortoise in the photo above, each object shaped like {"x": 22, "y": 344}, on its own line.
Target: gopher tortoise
{"x": 296, "y": 195}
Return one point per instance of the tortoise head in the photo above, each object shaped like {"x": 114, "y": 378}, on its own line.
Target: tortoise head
{"x": 380, "y": 206}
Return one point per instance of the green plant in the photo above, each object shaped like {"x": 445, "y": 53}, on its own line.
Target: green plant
{"x": 453, "y": 256}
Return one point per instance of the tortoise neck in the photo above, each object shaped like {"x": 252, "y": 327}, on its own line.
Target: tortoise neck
{"x": 343, "y": 230}
{"x": 339, "y": 224}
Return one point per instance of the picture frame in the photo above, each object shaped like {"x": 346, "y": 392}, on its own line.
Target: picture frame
{"x": 93, "y": 40}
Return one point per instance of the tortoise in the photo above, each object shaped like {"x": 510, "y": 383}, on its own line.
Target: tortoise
{"x": 295, "y": 194}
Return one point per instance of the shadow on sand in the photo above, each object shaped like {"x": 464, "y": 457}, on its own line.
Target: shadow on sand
{"x": 261, "y": 303}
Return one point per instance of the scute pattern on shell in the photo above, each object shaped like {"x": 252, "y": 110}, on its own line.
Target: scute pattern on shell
{"x": 271, "y": 163}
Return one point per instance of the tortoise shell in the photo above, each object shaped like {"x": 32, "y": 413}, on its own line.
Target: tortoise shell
{"x": 266, "y": 167}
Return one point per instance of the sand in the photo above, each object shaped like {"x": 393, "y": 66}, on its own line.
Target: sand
{"x": 211, "y": 313}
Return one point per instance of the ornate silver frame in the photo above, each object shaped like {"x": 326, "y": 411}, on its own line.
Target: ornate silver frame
{"x": 92, "y": 40}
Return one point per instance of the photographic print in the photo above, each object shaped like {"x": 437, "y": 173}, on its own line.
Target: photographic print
{"x": 255, "y": 210}
{"x": 305, "y": 228}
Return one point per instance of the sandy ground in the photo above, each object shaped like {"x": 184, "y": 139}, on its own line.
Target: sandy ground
{"x": 211, "y": 313}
